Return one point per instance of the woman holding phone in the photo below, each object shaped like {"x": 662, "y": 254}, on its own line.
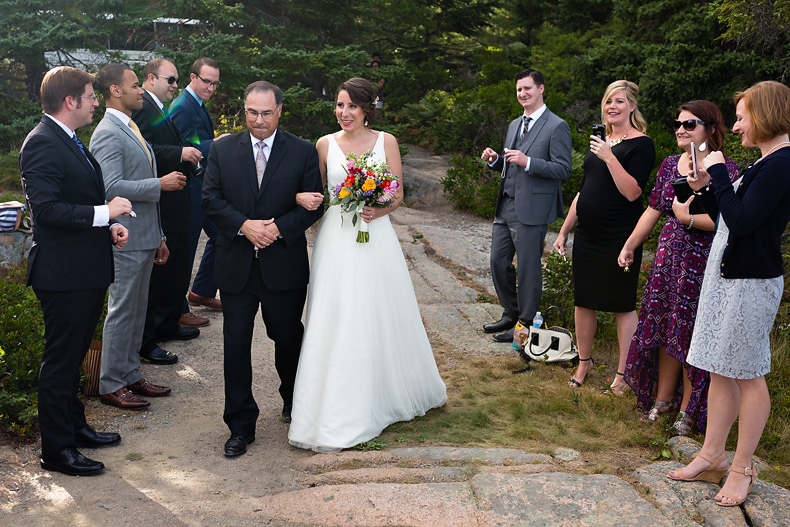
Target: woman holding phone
{"x": 669, "y": 302}
{"x": 742, "y": 288}
{"x": 604, "y": 213}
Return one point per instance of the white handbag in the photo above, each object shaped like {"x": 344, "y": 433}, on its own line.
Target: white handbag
{"x": 553, "y": 344}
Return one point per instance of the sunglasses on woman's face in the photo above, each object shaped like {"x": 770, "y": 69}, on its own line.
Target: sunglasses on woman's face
{"x": 688, "y": 125}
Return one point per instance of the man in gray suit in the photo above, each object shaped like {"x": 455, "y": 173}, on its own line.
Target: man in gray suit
{"x": 129, "y": 169}
{"x": 535, "y": 162}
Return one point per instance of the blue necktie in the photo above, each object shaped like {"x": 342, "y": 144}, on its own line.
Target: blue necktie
{"x": 82, "y": 148}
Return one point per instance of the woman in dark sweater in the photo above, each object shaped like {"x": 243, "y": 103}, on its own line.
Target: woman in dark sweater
{"x": 742, "y": 288}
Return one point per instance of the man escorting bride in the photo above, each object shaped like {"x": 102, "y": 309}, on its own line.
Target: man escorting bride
{"x": 366, "y": 361}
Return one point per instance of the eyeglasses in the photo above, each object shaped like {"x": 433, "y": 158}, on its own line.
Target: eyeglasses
{"x": 265, "y": 115}
{"x": 92, "y": 96}
{"x": 688, "y": 125}
{"x": 171, "y": 79}
{"x": 210, "y": 84}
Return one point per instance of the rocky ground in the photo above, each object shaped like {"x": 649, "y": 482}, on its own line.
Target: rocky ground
{"x": 169, "y": 470}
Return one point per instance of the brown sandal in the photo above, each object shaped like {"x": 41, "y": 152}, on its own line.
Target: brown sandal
{"x": 712, "y": 475}
{"x": 737, "y": 500}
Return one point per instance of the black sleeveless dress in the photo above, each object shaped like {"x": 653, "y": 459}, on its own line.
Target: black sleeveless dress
{"x": 605, "y": 221}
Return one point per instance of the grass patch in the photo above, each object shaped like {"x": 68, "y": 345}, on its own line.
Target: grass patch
{"x": 536, "y": 411}
{"x": 134, "y": 456}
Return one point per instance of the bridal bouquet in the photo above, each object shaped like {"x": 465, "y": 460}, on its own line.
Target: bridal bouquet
{"x": 368, "y": 183}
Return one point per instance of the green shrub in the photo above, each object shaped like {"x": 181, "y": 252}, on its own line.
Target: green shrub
{"x": 21, "y": 346}
{"x": 471, "y": 185}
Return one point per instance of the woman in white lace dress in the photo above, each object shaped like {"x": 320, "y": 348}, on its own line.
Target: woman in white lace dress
{"x": 742, "y": 288}
{"x": 366, "y": 361}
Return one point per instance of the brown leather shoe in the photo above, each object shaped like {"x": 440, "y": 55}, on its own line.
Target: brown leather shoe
{"x": 125, "y": 399}
{"x": 211, "y": 303}
{"x": 190, "y": 320}
{"x": 144, "y": 387}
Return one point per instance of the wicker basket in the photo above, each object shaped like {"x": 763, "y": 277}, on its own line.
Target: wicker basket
{"x": 91, "y": 367}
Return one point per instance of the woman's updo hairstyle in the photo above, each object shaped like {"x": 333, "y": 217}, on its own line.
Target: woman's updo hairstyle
{"x": 363, "y": 94}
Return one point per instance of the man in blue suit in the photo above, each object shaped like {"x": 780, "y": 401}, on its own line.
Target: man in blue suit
{"x": 70, "y": 263}
{"x": 188, "y": 112}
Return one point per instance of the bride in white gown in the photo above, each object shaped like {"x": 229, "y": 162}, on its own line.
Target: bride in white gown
{"x": 366, "y": 361}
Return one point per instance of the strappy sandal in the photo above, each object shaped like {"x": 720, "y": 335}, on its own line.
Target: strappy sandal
{"x": 751, "y": 472}
{"x": 684, "y": 424}
{"x": 711, "y": 475}
{"x": 660, "y": 409}
{"x": 617, "y": 389}
{"x": 573, "y": 383}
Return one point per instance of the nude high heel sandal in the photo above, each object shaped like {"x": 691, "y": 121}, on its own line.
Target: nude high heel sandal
{"x": 737, "y": 500}
{"x": 711, "y": 475}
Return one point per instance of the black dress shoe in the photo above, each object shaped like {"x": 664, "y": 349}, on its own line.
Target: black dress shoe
{"x": 159, "y": 356}
{"x": 90, "y": 438}
{"x": 503, "y": 324}
{"x": 181, "y": 333}
{"x": 70, "y": 461}
{"x": 237, "y": 445}
{"x": 287, "y": 413}
{"x": 506, "y": 336}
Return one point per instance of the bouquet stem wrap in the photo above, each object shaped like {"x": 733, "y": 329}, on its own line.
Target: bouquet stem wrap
{"x": 362, "y": 233}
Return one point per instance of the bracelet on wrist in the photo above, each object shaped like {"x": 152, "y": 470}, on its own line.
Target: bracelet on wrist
{"x": 691, "y": 223}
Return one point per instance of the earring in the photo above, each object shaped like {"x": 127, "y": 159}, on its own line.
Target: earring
{"x": 703, "y": 146}
{"x": 366, "y": 122}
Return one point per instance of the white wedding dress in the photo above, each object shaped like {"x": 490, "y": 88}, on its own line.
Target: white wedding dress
{"x": 366, "y": 361}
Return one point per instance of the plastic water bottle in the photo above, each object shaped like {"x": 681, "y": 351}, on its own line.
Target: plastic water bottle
{"x": 538, "y": 320}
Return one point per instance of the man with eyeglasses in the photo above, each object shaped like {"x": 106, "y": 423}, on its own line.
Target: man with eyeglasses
{"x": 252, "y": 181}
{"x": 170, "y": 281}
{"x": 71, "y": 262}
{"x": 188, "y": 112}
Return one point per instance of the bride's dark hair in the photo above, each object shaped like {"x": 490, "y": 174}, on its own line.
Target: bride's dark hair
{"x": 363, "y": 94}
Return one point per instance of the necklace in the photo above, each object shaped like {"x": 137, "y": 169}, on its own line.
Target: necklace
{"x": 615, "y": 142}
{"x": 775, "y": 147}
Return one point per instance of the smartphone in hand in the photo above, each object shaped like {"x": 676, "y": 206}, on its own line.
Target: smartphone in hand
{"x": 694, "y": 157}
{"x": 599, "y": 131}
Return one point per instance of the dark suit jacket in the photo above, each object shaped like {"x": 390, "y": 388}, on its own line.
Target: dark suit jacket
{"x": 61, "y": 188}
{"x": 167, "y": 143}
{"x": 231, "y": 196}
{"x": 539, "y": 190}
{"x": 756, "y": 216}
{"x": 193, "y": 121}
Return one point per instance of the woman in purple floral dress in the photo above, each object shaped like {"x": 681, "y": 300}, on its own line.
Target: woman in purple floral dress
{"x": 669, "y": 305}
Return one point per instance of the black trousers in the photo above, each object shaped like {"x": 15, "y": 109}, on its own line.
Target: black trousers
{"x": 282, "y": 314}
{"x": 70, "y": 318}
{"x": 169, "y": 284}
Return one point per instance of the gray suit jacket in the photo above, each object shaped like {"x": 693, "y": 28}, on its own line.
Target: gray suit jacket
{"x": 539, "y": 190}
{"x": 127, "y": 173}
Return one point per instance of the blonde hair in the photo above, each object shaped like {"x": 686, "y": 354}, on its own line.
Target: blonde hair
{"x": 631, "y": 94}
{"x": 768, "y": 104}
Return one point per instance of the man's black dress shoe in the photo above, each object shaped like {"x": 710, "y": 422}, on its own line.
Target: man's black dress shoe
{"x": 237, "y": 445}
{"x": 181, "y": 333}
{"x": 503, "y": 324}
{"x": 287, "y": 413}
{"x": 506, "y": 336}
{"x": 159, "y": 356}
{"x": 70, "y": 461}
{"x": 90, "y": 438}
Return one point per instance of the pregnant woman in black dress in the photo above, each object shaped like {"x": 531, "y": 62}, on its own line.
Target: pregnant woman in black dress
{"x": 605, "y": 212}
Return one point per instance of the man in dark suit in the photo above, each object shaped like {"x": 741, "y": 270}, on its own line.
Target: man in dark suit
{"x": 192, "y": 119}
{"x": 129, "y": 169}
{"x": 535, "y": 162}
{"x": 250, "y": 193}
{"x": 170, "y": 281}
{"x": 70, "y": 263}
